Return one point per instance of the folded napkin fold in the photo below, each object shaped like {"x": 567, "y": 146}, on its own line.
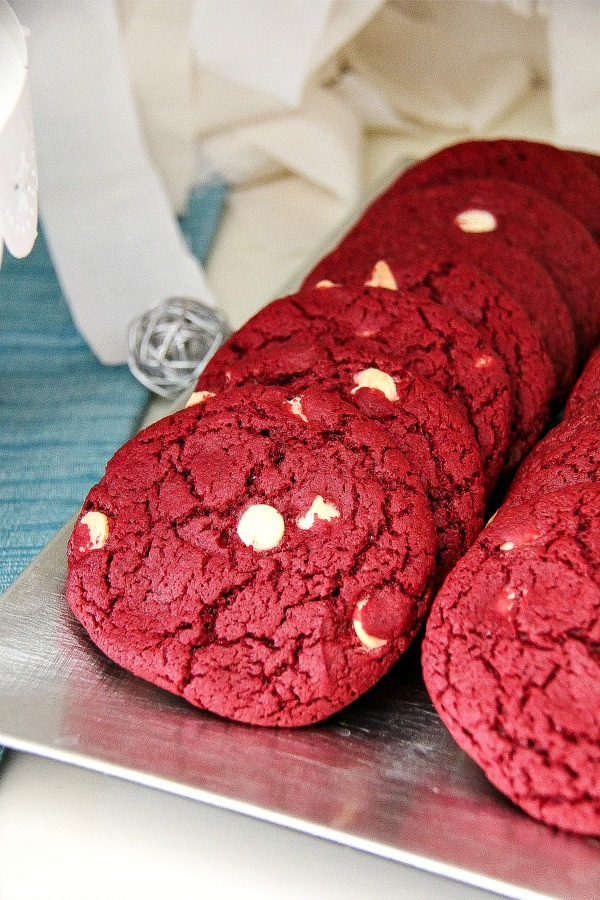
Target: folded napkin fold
{"x": 282, "y": 98}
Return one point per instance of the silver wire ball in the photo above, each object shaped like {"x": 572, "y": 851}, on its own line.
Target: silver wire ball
{"x": 170, "y": 344}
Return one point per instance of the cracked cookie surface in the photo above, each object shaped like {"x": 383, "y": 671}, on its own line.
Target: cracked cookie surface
{"x": 502, "y": 323}
{"x": 435, "y": 437}
{"x": 587, "y": 386}
{"x": 430, "y": 340}
{"x": 511, "y": 656}
{"x": 268, "y": 567}
{"x": 569, "y": 454}
{"x": 521, "y": 218}
{"x": 402, "y": 239}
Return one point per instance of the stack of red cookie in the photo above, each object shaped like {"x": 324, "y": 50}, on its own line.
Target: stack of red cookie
{"x": 270, "y": 551}
{"x": 511, "y": 657}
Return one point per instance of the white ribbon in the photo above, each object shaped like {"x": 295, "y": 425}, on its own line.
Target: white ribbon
{"x": 108, "y": 222}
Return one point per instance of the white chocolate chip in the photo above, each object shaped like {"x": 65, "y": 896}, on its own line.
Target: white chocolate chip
{"x": 484, "y": 361}
{"x": 261, "y": 527}
{"x": 506, "y": 601}
{"x": 377, "y": 381}
{"x": 326, "y": 283}
{"x": 519, "y": 540}
{"x": 381, "y": 276}
{"x": 198, "y": 397}
{"x": 319, "y": 509}
{"x": 476, "y": 221}
{"x": 368, "y": 640}
{"x": 295, "y": 405}
{"x": 97, "y": 526}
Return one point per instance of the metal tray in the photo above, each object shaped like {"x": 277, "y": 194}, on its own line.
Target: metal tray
{"x": 382, "y": 776}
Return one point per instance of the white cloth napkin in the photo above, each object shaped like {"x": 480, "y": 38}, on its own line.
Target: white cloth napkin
{"x": 574, "y": 39}
{"x": 136, "y": 100}
{"x": 275, "y": 88}
{"x": 418, "y": 64}
{"x": 458, "y": 67}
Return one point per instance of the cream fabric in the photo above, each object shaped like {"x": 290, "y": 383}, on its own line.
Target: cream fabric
{"x": 137, "y": 100}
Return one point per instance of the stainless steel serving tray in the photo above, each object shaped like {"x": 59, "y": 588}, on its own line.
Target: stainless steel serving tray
{"x": 382, "y": 776}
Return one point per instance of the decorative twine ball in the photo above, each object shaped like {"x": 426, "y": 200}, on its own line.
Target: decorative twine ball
{"x": 170, "y": 345}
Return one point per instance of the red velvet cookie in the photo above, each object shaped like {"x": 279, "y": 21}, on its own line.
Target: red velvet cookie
{"x": 502, "y": 323}
{"x": 267, "y": 566}
{"x": 587, "y": 386}
{"x": 511, "y": 660}
{"x": 427, "y": 427}
{"x": 524, "y": 219}
{"x": 430, "y": 340}
{"x": 555, "y": 173}
{"x": 505, "y": 327}
{"x": 569, "y": 454}
{"x": 523, "y": 279}
{"x": 521, "y": 218}
{"x": 590, "y": 160}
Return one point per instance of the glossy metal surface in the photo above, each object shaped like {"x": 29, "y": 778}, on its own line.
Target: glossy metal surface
{"x": 383, "y": 776}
